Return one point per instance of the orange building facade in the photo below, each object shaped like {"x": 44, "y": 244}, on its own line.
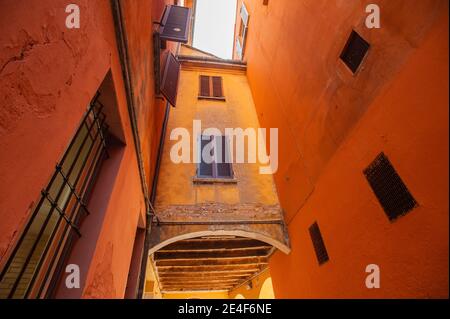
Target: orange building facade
{"x": 87, "y": 132}
{"x": 333, "y": 123}
{"x": 50, "y": 78}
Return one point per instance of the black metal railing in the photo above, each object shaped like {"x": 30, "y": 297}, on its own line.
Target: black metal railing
{"x": 36, "y": 261}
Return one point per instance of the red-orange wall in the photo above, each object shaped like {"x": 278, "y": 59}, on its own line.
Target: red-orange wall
{"x": 333, "y": 124}
{"x": 48, "y": 76}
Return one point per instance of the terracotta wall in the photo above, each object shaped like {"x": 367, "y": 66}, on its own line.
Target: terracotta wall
{"x": 48, "y": 76}
{"x": 332, "y": 125}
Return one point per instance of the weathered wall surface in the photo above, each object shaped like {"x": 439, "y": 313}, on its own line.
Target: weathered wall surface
{"x": 333, "y": 124}
{"x": 48, "y": 75}
{"x": 176, "y": 185}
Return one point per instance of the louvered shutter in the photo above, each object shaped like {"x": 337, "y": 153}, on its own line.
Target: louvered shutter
{"x": 223, "y": 158}
{"x": 217, "y": 86}
{"x": 169, "y": 82}
{"x": 205, "y": 169}
{"x": 175, "y": 24}
{"x": 204, "y": 86}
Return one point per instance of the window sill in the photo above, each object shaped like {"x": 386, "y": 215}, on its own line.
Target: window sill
{"x": 207, "y": 180}
{"x": 213, "y": 98}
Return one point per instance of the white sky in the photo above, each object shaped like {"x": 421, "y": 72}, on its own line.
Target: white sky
{"x": 214, "y": 27}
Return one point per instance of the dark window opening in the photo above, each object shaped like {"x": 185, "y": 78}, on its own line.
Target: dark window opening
{"x": 389, "y": 188}
{"x": 215, "y": 158}
{"x": 211, "y": 88}
{"x": 354, "y": 51}
{"x": 56, "y": 218}
{"x": 319, "y": 245}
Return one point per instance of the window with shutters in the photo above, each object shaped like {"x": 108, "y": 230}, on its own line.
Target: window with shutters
{"x": 211, "y": 88}
{"x": 215, "y": 160}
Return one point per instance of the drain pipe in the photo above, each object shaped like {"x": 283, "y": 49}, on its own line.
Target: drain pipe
{"x": 152, "y": 202}
{"x": 122, "y": 45}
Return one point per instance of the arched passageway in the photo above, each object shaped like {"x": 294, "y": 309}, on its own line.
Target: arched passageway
{"x": 213, "y": 262}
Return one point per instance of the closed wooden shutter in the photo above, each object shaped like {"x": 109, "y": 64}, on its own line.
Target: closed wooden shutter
{"x": 169, "y": 82}
{"x": 223, "y": 158}
{"x": 217, "y": 86}
{"x": 175, "y": 24}
{"x": 205, "y": 169}
{"x": 204, "y": 86}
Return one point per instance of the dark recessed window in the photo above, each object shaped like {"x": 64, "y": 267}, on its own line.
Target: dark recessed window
{"x": 211, "y": 88}
{"x": 319, "y": 245}
{"x": 354, "y": 51}
{"x": 215, "y": 158}
{"x": 389, "y": 188}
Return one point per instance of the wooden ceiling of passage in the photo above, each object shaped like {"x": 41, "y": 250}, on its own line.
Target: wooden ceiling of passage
{"x": 210, "y": 263}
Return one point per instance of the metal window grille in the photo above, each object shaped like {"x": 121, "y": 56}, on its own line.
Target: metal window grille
{"x": 389, "y": 188}
{"x": 36, "y": 260}
{"x": 318, "y": 243}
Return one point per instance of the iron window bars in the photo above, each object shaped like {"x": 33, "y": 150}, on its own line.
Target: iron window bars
{"x": 33, "y": 268}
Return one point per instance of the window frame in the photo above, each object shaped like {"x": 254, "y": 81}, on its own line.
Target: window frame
{"x": 63, "y": 213}
{"x": 211, "y": 88}
{"x": 215, "y": 177}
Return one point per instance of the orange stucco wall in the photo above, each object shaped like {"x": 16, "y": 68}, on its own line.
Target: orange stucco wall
{"x": 332, "y": 125}
{"x": 48, "y": 76}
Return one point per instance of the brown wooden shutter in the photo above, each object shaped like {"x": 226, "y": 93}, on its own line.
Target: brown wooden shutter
{"x": 217, "y": 86}
{"x": 169, "y": 82}
{"x": 175, "y": 24}
{"x": 223, "y": 158}
{"x": 205, "y": 169}
{"x": 204, "y": 86}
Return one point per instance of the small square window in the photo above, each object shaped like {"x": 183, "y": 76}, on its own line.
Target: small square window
{"x": 211, "y": 88}
{"x": 354, "y": 51}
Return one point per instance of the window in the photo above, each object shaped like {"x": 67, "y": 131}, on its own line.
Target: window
{"x": 215, "y": 158}
{"x": 211, "y": 88}
{"x": 242, "y": 35}
{"x": 55, "y": 221}
{"x": 319, "y": 245}
{"x": 354, "y": 51}
{"x": 389, "y": 188}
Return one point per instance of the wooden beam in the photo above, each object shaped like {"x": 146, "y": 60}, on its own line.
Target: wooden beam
{"x": 211, "y": 268}
{"x": 210, "y": 282}
{"x": 199, "y": 273}
{"x": 217, "y": 261}
{"x": 215, "y": 254}
{"x": 202, "y": 275}
{"x": 205, "y": 244}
